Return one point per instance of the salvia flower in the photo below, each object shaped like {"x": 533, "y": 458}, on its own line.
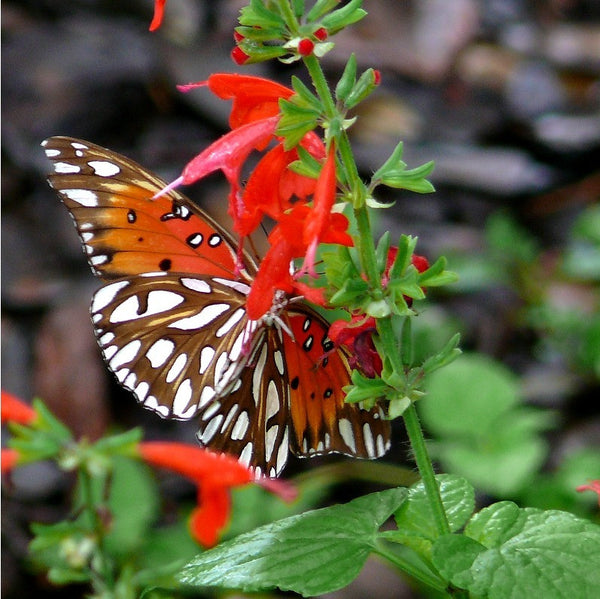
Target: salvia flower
{"x": 215, "y": 474}
{"x": 272, "y": 189}
{"x": 14, "y": 410}
{"x": 159, "y": 11}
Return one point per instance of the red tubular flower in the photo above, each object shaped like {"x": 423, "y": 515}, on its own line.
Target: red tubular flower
{"x": 214, "y": 474}
{"x": 321, "y": 34}
{"x": 159, "y": 11}
{"x": 16, "y": 410}
{"x": 9, "y": 458}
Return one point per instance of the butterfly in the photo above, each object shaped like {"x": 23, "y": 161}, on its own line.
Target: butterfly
{"x": 173, "y": 329}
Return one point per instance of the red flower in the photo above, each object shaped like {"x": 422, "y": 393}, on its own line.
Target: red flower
{"x": 298, "y": 233}
{"x": 254, "y": 98}
{"x": 16, "y": 410}
{"x": 214, "y": 474}
{"x": 592, "y": 486}
{"x": 159, "y": 10}
{"x": 9, "y": 458}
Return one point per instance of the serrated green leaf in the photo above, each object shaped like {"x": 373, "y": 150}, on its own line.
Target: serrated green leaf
{"x": 529, "y": 552}
{"x": 260, "y": 34}
{"x": 414, "y": 518}
{"x": 313, "y": 553}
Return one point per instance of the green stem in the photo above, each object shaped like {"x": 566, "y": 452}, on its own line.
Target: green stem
{"x": 369, "y": 263}
{"x": 423, "y": 461}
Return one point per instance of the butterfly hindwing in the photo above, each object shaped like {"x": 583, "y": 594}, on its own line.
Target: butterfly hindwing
{"x": 175, "y": 341}
{"x": 252, "y": 422}
{"x": 322, "y": 422}
{"x": 123, "y": 230}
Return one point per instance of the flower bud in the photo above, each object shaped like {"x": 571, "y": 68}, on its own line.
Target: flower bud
{"x": 321, "y": 34}
{"x": 305, "y": 47}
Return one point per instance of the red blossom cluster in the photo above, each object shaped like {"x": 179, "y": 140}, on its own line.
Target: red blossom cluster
{"x": 300, "y": 206}
{"x": 215, "y": 474}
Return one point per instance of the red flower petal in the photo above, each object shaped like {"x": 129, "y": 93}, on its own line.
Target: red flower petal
{"x": 212, "y": 514}
{"x": 305, "y": 47}
{"x": 16, "y": 410}
{"x": 239, "y": 56}
{"x": 254, "y": 98}
{"x": 9, "y": 458}
{"x": 159, "y": 9}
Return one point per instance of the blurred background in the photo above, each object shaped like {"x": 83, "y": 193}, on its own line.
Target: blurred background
{"x": 504, "y": 95}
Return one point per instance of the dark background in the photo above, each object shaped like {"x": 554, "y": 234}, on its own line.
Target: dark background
{"x": 503, "y": 94}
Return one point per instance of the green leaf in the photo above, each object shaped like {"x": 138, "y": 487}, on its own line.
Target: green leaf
{"x": 320, "y": 8}
{"x": 468, "y": 396}
{"x": 295, "y": 122}
{"x": 361, "y": 89}
{"x": 305, "y": 98}
{"x": 313, "y": 553}
{"x": 338, "y": 19}
{"x": 523, "y": 552}
{"x": 414, "y": 519}
{"x": 134, "y": 505}
{"x": 347, "y": 80}
{"x": 256, "y": 14}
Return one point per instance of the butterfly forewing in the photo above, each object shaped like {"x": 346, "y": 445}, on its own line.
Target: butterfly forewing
{"x": 123, "y": 230}
{"x": 175, "y": 341}
{"x": 321, "y": 420}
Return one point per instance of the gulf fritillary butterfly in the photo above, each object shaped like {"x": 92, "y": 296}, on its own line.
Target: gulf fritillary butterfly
{"x": 172, "y": 325}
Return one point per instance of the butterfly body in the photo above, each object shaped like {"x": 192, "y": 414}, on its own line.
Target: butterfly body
{"x": 172, "y": 325}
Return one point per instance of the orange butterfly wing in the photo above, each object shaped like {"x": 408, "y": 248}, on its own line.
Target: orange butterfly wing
{"x": 123, "y": 230}
{"x": 322, "y": 422}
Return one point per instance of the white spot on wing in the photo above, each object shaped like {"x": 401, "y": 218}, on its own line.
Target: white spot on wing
{"x": 246, "y": 454}
{"x": 97, "y": 260}
{"x": 158, "y": 301}
{"x": 207, "y": 395}
{"x": 369, "y": 441}
{"x": 78, "y": 146}
{"x": 110, "y": 351}
{"x": 345, "y": 428}
{"x": 65, "y": 168}
{"x": 159, "y": 352}
{"x": 211, "y": 410}
{"x": 271, "y": 438}
{"x": 196, "y": 285}
{"x": 206, "y": 356}
{"x": 182, "y": 398}
{"x": 200, "y": 320}
{"x": 85, "y": 197}
{"x": 105, "y": 295}
{"x": 230, "y": 322}
{"x": 103, "y": 168}
{"x": 273, "y": 404}
{"x": 237, "y": 285}
{"x": 141, "y": 391}
{"x": 211, "y": 428}
{"x": 152, "y": 404}
{"x": 177, "y": 368}
{"x": 106, "y": 338}
{"x": 241, "y": 427}
{"x": 52, "y": 153}
{"x": 126, "y": 354}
